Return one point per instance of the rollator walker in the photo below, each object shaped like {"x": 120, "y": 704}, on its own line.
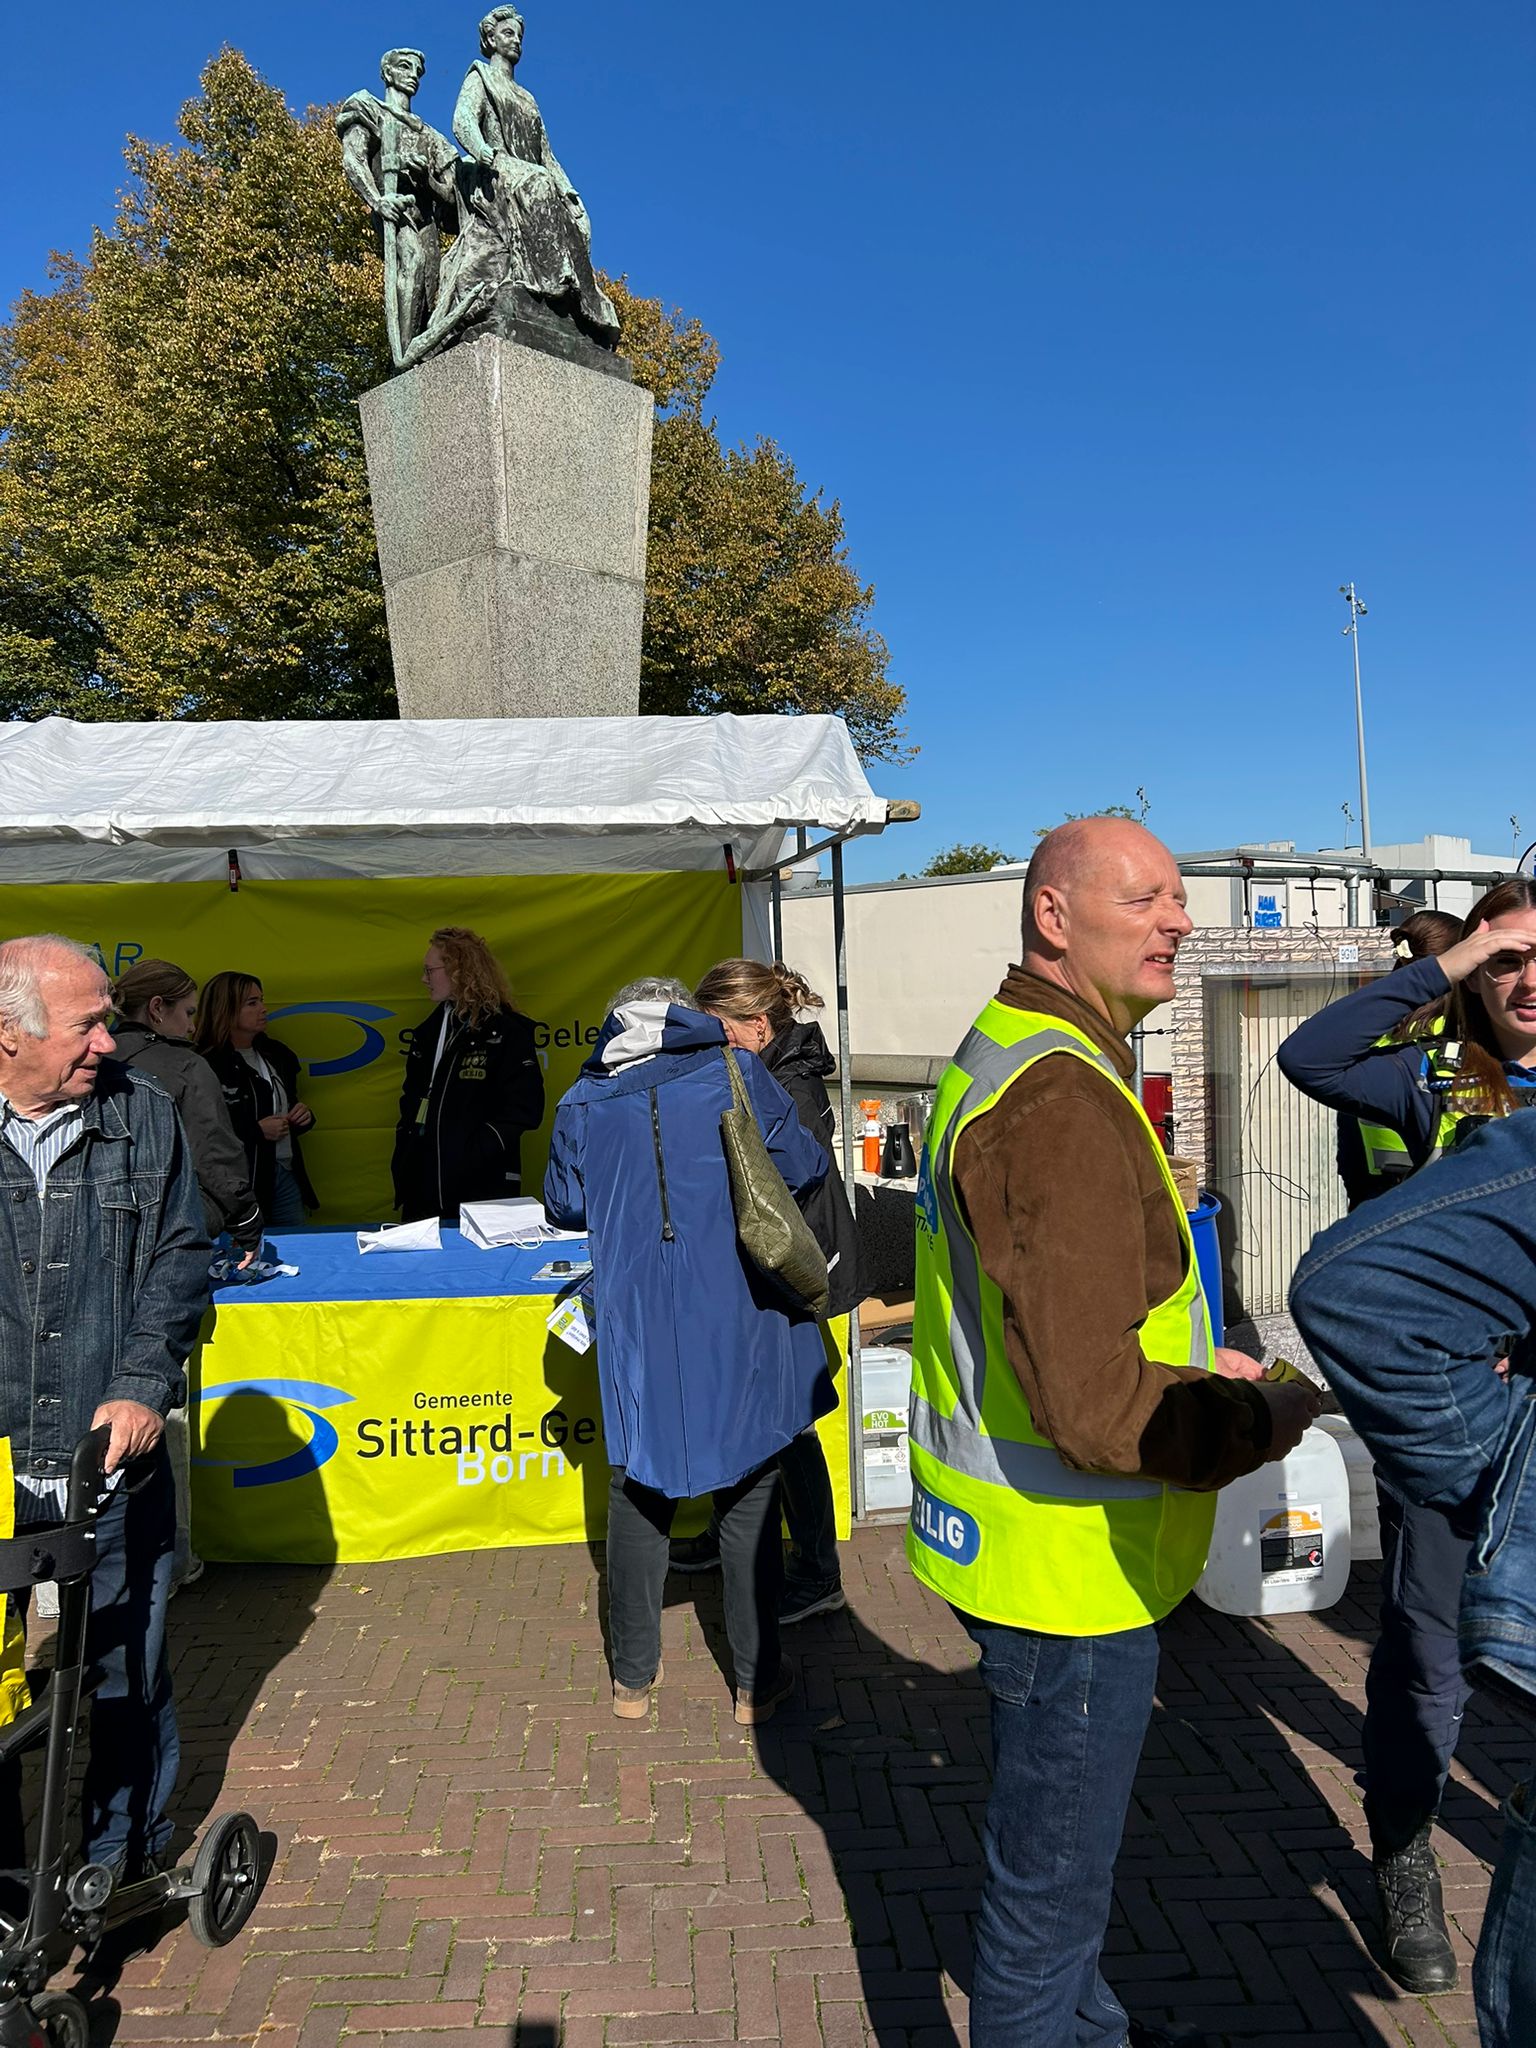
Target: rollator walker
{"x": 71, "y": 1905}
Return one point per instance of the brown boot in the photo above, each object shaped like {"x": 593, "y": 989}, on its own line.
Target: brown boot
{"x": 633, "y": 1702}
{"x": 751, "y": 1712}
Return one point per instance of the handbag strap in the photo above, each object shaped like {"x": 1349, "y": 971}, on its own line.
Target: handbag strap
{"x": 738, "y": 1087}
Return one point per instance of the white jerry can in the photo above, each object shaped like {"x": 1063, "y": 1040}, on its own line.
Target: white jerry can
{"x": 1282, "y": 1538}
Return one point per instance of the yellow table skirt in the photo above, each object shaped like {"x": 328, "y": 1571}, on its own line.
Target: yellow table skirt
{"x": 354, "y": 1431}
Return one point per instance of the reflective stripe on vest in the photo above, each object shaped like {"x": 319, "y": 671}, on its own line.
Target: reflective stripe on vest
{"x": 1000, "y": 1524}
{"x": 1386, "y": 1152}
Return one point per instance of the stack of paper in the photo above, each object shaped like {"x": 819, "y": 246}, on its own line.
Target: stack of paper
{"x": 517, "y": 1221}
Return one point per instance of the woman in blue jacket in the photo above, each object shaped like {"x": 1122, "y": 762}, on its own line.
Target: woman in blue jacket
{"x": 1460, "y": 1050}
{"x": 706, "y": 1372}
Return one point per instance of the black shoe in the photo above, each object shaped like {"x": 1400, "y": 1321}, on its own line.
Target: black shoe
{"x": 1415, "y": 1949}
{"x": 694, "y": 1553}
{"x": 1143, "y": 2036}
{"x": 801, "y": 1602}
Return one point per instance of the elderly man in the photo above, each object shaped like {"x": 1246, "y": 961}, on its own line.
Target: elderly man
{"x": 1071, "y": 1416}
{"x": 103, "y": 1281}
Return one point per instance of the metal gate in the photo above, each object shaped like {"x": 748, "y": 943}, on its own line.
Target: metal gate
{"x": 1273, "y": 1150}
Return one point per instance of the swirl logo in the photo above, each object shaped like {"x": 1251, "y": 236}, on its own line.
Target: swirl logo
{"x": 363, "y": 1015}
{"x": 303, "y": 1397}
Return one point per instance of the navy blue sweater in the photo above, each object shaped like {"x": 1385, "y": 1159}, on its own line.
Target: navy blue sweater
{"x": 1334, "y": 1057}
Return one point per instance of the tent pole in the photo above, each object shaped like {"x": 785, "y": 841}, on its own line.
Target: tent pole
{"x": 777, "y": 899}
{"x": 845, "y": 1098}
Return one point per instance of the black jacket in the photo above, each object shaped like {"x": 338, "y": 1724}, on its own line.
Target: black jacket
{"x": 248, "y": 1099}
{"x": 223, "y": 1172}
{"x": 460, "y": 1132}
{"x": 800, "y": 1059}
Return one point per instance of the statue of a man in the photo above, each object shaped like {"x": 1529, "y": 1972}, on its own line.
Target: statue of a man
{"x": 406, "y": 173}
{"x": 524, "y": 223}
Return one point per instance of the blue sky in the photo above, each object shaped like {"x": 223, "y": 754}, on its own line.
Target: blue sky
{"x": 1124, "y": 335}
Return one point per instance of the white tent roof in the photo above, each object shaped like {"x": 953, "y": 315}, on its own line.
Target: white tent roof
{"x": 118, "y": 803}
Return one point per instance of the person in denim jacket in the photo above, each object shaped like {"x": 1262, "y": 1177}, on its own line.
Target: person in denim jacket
{"x": 1420, "y": 1309}
{"x": 103, "y": 1283}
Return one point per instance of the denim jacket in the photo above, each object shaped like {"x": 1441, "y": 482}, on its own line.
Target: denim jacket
{"x": 104, "y": 1281}
{"x": 1407, "y": 1305}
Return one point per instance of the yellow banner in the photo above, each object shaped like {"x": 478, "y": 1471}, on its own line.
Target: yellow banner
{"x": 340, "y": 965}
{"x": 356, "y": 1431}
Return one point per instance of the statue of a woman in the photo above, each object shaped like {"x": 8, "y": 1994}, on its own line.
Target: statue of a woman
{"x": 523, "y": 223}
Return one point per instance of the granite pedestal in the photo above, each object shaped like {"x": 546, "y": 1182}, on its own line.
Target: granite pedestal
{"x": 510, "y": 497}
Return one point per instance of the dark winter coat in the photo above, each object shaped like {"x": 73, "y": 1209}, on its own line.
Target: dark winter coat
{"x": 705, "y": 1372}
{"x": 223, "y": 1171}
{"x": 459, "y": 1138}
{"x": 248, "y": 1099}
{"x": 800, "y": 1060}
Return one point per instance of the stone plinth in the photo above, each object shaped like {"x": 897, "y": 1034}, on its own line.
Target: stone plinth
{"x": 510, "y": 495}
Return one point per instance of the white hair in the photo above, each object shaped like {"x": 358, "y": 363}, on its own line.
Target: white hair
{"x": 23, "y": 963}
{"x": 653, "y": 988}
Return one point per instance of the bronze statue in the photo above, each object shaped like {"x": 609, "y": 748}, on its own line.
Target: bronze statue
{"x": 520, "y": 263}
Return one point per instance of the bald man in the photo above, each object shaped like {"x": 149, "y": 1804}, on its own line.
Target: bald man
{"x": 1072, "y": 1415}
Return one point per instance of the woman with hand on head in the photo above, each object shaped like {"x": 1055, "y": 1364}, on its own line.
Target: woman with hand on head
{"x": 1421, "y": 1057}
{"x": 758, "y": 1006}
{"x": 473, "y": 1085}
{"x": 260, "y": 1080}
{"x": 156, "y": 1008}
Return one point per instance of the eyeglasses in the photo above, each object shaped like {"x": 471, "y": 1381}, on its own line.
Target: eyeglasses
{"x": 1507, "y": 966}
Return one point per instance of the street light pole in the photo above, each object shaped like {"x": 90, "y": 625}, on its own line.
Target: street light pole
{"x": 1352, "y": 632}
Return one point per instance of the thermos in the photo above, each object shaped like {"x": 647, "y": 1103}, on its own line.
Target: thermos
{"x": 871, "y": 1112}
{"x": 898, "y": 1161}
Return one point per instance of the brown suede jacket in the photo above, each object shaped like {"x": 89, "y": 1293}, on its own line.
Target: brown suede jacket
{"x": 1074, "y": 1223}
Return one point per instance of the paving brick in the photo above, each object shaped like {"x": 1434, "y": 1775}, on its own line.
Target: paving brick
{"x": 472, "y": 1852}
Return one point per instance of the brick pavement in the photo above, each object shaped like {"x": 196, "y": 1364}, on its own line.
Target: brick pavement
{"x": 472, "y": 1850}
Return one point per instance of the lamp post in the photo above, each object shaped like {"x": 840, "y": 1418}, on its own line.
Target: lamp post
{"x": 1352, "y": 632}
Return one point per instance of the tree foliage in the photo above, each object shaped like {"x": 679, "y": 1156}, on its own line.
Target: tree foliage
{"x": 975, "y": 859}
{"x": 185, "y": 527}
{"x": 1108, "y": 811}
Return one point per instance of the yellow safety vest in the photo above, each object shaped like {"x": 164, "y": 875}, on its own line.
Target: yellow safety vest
{"x": 1000, "y": 1525}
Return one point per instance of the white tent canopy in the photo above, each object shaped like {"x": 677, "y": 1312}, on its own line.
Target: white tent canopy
{"x": 167, "y": 802}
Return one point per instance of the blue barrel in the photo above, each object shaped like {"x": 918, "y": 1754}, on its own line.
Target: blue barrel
{"x": 1202, "y": 1226}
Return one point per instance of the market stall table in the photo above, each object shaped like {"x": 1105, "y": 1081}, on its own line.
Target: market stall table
{"x": 401, "y": 1404}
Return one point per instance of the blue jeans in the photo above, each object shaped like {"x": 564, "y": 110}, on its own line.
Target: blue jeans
{"x": 134, "y": 1745}
{"x": 1414, "y": 1691}
{"x": 1069, "y": 1716}
{"x": 1504, "y": 1975}
{"x": 285, "y": 1210}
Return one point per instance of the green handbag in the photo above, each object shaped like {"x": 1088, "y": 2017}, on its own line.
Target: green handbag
{"x": 774, "y": 1235}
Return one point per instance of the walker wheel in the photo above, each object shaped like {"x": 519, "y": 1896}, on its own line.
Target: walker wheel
{"x": 227, "y": 1874}
{"x": 64, "y": 2021}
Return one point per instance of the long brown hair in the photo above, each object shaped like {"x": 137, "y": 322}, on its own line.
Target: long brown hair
{"x": 475, "y": 975}
{"x": 147, "y": 979}
{"x": 742, "y": 989}
{"x": 1481, "y": 1087}
{"x": 223, "y": 998}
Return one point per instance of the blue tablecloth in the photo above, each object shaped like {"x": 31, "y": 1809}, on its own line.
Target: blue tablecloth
{"x": 331, "y": 1268}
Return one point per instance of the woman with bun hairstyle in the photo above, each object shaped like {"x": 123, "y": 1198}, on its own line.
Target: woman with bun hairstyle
{"x": 473, "y": 1085}
{"x": 260, "y": 1080}
{"x": 759, "y": 1007}
{"x": 156, "y": 1007}
{"x": 1443, "y": 1043}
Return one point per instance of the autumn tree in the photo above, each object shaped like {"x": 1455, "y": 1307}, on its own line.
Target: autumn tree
{"x": 185, "y": 528}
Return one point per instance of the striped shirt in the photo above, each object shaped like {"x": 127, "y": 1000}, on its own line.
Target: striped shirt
{"x": 40, "y": 1141}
